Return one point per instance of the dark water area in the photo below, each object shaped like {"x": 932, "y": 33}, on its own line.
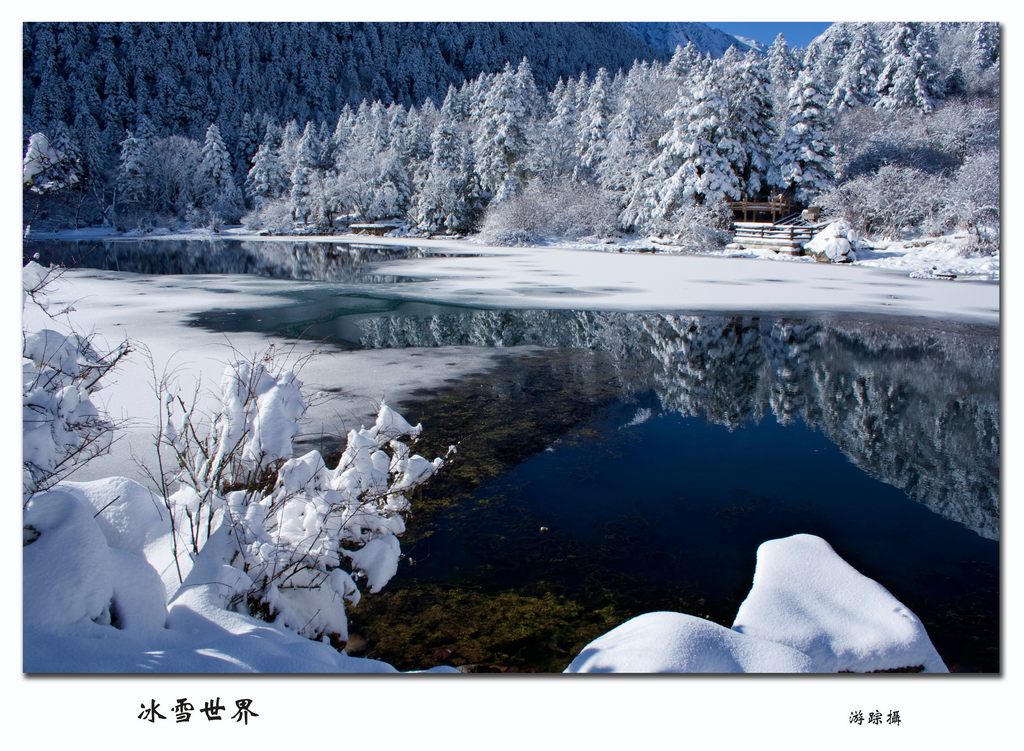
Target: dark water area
{"x": 630, "y": 462}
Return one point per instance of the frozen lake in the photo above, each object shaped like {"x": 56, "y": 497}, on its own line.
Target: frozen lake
{"x": 616, "y": 457}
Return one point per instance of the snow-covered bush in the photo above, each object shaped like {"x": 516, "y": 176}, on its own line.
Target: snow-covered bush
{"x": 837, "y": 243}
{"x": 698, "y": 228}
{"x": 973, "y": 200}
{"x": 559, "y": 210}
{"x": 300, "y": 532}
{"x": 274, "y": 216}
{"x": 46, "y": 168}
{"x": 61, "y": 370}
{"x": 890, "y": 203}
{"x": 278, "y": 538}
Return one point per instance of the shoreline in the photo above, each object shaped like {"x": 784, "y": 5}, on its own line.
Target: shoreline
{"x": 557, "y": 277}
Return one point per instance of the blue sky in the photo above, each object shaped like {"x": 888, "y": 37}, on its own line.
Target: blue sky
{"x": 798, "y": 34}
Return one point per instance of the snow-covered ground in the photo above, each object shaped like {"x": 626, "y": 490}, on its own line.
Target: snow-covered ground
{"x": 808, "y": 612}
{"x": 563, "y": 278}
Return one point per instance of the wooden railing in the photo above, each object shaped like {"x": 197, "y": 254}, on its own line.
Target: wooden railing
{"x": 775, "y": 207}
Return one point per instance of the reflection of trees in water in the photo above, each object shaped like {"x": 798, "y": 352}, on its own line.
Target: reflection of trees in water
{"x": 304, "y": 261}
{"x": 913, "y": 405}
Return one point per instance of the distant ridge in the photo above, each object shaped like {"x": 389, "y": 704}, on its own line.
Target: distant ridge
{"x": 663, "y": 37}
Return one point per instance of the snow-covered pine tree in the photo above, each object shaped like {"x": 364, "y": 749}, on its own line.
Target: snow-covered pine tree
{"x": 267, "y": 179}
{"x": 626, "y": 154}
{"x": 782, "y": 67}
{"x": 303, "y": 177}
{"x": 447, "y": 199}
{"x": 693, "y": 166}
{"x": 749, "y": 111}
{"x": 246, "y": 144}
{"x": 986, "y": 45}
{"x": 552, "y": 154}
{"x": 131, "y": 174}
{"x": 592, "y": 131}
{"x": 216, "y": 187}
{"x": 500, "y": 144}
{"x": 908, "y": 79}
{"x": 803, "y": 163}
{"x": 858, "y": 72}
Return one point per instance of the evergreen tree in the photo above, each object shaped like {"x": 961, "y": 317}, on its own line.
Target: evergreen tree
{"x": 592, "y": 132}
{"x": 750, "y": 112}
{"x": 552, "y": 154}
{"x": 132, "y": 174}
{"x": 803, "y": 163}
{"x": 447, "y": 199}
{"x": 303, "y": 189}
{"x": 268, "y": 178}
{"x": 782, "y": 69}
{"x": 858, "y": 72}
{"x": 908, "y": 78}
{"x": 500, "y": 144}
{"x": 693, "y": 166}
{"x": 216, "y": 187}
{"x": 986, "y": 45}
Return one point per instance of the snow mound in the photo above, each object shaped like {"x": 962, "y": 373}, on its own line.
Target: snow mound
{"x": 836, "y": 243}
{"x": 129, "y": 515}
{"x": 67, "y": 564}
{"x": 807, "y": 597}
{"x": 678, "y": 643}
{"x": 808, "y": 612}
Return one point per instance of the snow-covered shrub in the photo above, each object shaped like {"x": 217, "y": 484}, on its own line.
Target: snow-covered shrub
{"x": 890, "y": 203}
{"x": 559, "y": 210}
{"x": 46, "y": 168}
{"x": 62, "y": 428}
{"x": 974, "y": 198}
{"x": 274, "y": 216}
{"x": 698, "y": 228}
{"x": 301, "y": 532}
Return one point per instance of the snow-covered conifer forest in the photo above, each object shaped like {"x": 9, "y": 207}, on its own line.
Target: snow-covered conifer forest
{"x": 522, "y": 132}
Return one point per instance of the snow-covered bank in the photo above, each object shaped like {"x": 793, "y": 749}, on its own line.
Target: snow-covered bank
{"x": 927, "y": 257}
{"x": 567, "y": 278}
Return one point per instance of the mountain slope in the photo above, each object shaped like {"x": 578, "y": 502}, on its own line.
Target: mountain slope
{"x": 663, "y": 37}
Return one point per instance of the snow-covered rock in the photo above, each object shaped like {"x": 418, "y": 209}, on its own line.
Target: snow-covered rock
{"x": 678, "y": 643}
{"x": 837, "y": 243}
{"x": 808, "y": 612}
{"x": 805, "y": 596}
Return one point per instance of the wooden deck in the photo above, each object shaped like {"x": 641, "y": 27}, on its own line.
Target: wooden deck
{"x": 773, "y": 209}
